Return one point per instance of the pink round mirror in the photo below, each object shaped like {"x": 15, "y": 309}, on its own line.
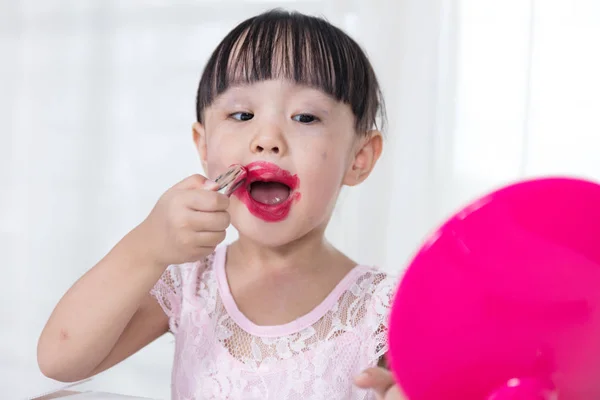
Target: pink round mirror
{"x": 503, "y": 301}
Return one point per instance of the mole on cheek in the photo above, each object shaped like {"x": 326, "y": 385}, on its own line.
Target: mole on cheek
{"x": 324, "y": 155}
{"x": 64, "y": 335}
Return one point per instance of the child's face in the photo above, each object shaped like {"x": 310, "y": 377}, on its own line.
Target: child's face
{"x": 297, "y": 137}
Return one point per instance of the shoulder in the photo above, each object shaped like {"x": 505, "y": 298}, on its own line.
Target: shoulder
{"x": 195, "y": 267}
{"x": 369, "y": 297}
{"x": 188, "y": 274}
{"x": 377, "y": 287}
{"x": 373, "y": 293}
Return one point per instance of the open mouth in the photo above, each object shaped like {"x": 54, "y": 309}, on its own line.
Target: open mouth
{"x": 269, "y": 192}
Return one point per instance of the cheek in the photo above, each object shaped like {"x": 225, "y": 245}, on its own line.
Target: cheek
{"x": 213, "y": 162}
{"x": 219, "y": 154}
{"x": 322, "y": 174}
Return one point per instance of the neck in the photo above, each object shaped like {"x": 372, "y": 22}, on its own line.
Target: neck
{"x": 306, "y": 253}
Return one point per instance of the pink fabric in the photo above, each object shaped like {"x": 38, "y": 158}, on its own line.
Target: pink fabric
{"x": 221, "y": 354}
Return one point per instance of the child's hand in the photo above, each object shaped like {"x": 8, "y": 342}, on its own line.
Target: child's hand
{"x": 186, "y": 224}
{"x": 382, "y": 382}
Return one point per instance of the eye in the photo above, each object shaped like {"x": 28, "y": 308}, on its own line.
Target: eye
{"x": 242, "y": 116}
{"x": 305, "y": 118}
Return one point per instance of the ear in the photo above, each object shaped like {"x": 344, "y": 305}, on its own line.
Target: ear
{"x": 199, "y": 136}
{"x": 366, "y": 153}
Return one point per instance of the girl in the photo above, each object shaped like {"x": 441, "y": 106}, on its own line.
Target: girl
{"x": 280, "y": 313}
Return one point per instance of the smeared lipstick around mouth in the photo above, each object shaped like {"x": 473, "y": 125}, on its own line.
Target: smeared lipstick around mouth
{"x": 269, "y": 191}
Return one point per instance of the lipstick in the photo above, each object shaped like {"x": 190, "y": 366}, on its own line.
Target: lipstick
{"x": 231, "y": 180}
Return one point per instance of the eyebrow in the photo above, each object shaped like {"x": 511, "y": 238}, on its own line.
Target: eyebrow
{"x": 317, "y": 109}
{"x": 236, "y": 94}
{"x": 231, "y": 98}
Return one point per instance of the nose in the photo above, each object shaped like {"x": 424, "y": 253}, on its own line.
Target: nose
{"x": 269, "y": 142}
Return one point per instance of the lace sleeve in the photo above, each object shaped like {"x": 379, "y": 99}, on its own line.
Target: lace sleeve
{"x": 379, "y": 310}
{"x": 168, "y": 291}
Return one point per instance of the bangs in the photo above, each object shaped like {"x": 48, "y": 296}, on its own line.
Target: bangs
{"x": 306, "y": 50}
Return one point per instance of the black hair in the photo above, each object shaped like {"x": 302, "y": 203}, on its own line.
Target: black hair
{"x": 304, "y": 49}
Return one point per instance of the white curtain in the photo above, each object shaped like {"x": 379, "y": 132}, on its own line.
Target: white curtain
{"x": 97, "y": 99}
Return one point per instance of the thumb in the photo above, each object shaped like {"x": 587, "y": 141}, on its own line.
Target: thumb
{"x": 196, "y": 181}
{"x": 378, "y": 379}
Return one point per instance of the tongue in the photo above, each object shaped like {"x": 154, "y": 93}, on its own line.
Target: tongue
{"x": 269, "y": 192}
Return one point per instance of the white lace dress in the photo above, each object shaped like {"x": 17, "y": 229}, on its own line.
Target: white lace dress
{"x": 220, "y": 354}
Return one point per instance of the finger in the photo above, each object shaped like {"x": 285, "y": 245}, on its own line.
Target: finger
{"x": 377, "y": 379}
{"x": 395, "y": 394}
{"x": 212, "y": 239}
{"x": 196, "y": 181}
{"x": 204, "y": 200}
{"x": 205, "y": 239}
{"x": 208, "y": 221}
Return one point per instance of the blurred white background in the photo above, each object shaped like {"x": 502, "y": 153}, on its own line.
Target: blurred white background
{"x": 97, "y": 101}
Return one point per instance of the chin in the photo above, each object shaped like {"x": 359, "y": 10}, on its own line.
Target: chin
{"x": 270, "y": 234}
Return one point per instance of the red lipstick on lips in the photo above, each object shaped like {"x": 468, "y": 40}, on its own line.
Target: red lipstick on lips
{"x": 269, "y": 191}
